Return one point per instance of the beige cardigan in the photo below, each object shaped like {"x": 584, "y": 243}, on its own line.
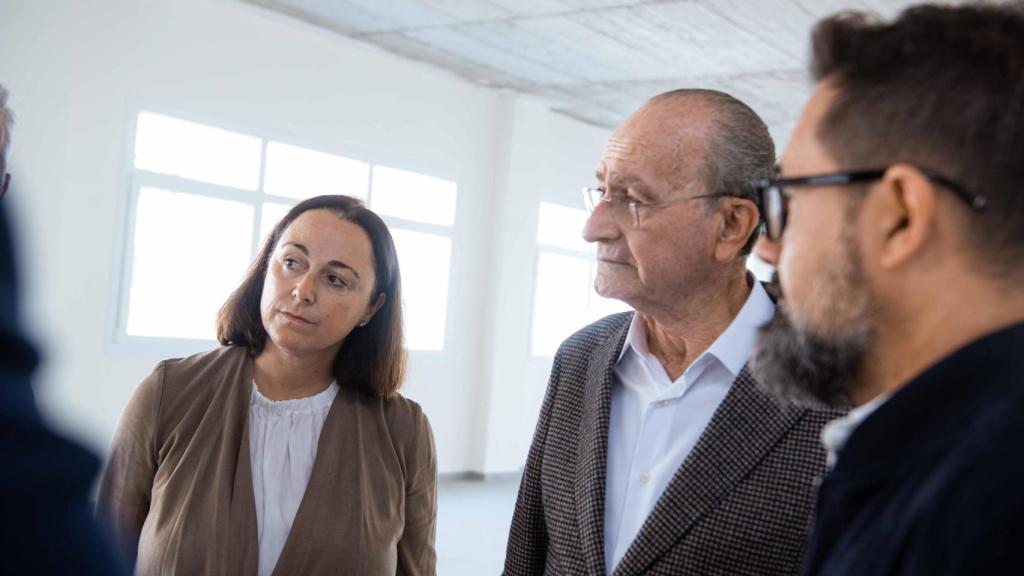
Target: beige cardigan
{"x": 178, "y": 485}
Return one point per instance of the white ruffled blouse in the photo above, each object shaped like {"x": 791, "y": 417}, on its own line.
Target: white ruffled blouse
{"x": 282, "y": 446}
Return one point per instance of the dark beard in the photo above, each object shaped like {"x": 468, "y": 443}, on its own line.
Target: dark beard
{"x": 809, "y": 369}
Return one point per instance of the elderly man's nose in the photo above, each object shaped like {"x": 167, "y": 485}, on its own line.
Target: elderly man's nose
{"x": 600, "y": 224}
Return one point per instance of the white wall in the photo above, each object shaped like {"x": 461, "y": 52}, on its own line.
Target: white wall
{"x": 548, "y": 158}
{"x": 77, "y": 71}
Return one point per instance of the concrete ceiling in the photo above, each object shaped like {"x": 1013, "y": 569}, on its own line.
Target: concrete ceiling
{"x": 597, "y": 60}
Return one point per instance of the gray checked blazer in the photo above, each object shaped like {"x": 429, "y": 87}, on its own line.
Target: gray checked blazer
{"x": 741, "y": 503}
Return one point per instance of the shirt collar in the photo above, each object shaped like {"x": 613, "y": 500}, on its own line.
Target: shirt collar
{"x": 732, "y": 348}
{"x": 835, "y": 434}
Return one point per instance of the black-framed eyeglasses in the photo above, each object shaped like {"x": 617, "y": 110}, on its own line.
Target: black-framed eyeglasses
{"x": 592, "y": 197}
{"x": 774, "y": 199}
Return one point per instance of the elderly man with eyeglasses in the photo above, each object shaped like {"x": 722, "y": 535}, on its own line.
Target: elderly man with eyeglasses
{"x": 655, "y": 452}
{"x": 897, "y": 225}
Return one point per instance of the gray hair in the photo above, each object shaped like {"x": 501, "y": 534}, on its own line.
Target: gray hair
{"x": 741, "y": 149}
{"x": 6, "y": 121}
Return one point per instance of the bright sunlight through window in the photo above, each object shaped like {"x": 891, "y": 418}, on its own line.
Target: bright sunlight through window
{"x": 204, "y": 199}
{"x": 564, "y": 299}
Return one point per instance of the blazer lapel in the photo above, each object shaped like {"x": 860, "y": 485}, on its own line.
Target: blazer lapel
{"x": 744, "y": 427}
{"x": 592, "y": 448}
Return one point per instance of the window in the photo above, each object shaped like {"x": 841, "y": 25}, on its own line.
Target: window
{"x": 564, "y": 299}
{"x": 203, "y": 199}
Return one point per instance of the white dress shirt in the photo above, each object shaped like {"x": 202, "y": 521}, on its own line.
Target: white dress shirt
{"x": 656, "y": 422}
{"x": 835, "y": 434}
{"x": 282, "y": 446}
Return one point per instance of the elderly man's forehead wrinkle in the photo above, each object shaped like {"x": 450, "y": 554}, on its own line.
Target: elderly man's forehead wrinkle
{"x": 619, "y": 148}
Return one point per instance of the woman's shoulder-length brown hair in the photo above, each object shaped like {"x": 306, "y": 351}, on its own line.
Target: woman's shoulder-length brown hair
{"x": 372, "y": 359}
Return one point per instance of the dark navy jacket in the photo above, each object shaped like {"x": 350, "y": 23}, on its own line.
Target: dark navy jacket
{"x": 46, "y": 522}
{"x": 932, "y": 483}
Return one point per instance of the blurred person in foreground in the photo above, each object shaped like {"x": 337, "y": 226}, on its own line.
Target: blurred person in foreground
{"x": 288, "y": 450}
{"x": 46, "y": 522}
{"x": 897, "y": 225}
{"x": 655, "y": 452}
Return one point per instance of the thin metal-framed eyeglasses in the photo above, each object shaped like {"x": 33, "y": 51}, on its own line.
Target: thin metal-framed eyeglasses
{"x": 773, "y": 199}
{"x": 592, "y": 197}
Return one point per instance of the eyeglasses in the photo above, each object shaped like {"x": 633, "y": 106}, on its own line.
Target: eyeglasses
{"x": 618, "y": 204}
{"x": 774, "y": 199}
{"x": 5, "y": 184}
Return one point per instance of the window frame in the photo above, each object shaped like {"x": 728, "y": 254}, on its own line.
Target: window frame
{"x": 135, "y": 179}
{"x": 589, "y": 254}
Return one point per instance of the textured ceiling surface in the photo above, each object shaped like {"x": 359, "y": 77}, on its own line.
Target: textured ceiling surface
{"x": 597, "y": 60}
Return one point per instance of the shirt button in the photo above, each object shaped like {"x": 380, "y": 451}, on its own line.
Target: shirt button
{"x": 645, "y": 477}
{"x": 663, "y": 403}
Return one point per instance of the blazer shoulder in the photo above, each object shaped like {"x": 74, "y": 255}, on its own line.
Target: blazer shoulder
{"x": 595, "y": 333}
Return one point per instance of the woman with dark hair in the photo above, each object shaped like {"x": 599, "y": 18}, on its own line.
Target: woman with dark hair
{"x": 288, "y": 450}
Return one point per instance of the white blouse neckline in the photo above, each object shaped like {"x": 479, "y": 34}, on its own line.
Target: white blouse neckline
{"x": 313, "y": 403}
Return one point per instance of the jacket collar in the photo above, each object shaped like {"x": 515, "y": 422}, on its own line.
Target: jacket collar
{"x": 592, "y": 449}
{"x": 936, "y": 407}
{"x": 733, "y": 346}
{"x": 744, "y": 427}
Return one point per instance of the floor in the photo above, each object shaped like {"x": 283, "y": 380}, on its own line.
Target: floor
{"x": 473, "y": 518}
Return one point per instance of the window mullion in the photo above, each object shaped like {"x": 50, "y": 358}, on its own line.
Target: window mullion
{"x": 257, "y": 213}
{"x": 178, "y": 184}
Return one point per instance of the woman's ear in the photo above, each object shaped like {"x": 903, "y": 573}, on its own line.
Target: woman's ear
{"x": 372, "y": 309}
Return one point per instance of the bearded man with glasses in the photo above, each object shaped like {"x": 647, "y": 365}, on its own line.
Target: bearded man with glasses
{"x": 655, "y": 452}
{"x": 896, "y": 223}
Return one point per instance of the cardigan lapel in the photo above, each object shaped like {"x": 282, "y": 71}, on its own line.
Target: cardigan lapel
{"x": 313, "y": 515}
{"x": 743, "y": 429}
{"x": 243, "y": 537}
{"x": 592, "y": 449}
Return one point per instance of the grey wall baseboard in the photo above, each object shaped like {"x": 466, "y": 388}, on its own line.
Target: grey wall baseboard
{"x": 480, "y": 476}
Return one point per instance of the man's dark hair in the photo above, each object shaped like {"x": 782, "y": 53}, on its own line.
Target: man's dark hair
{"x": 372, "y": 359}
{"x": 941, "y": 87}
{"x": 741, "y": 149}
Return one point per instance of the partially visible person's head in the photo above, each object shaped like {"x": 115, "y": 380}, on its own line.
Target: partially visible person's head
{"x": 6, "y": 124}
{"x": 326, "y": 281}
{"x": 687, "y": 158}
{"x": 930, "y": 109}
{"x": 16, "y": 355}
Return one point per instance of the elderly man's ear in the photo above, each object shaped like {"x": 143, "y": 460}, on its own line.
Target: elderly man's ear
{"x": 739, "y": 218}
